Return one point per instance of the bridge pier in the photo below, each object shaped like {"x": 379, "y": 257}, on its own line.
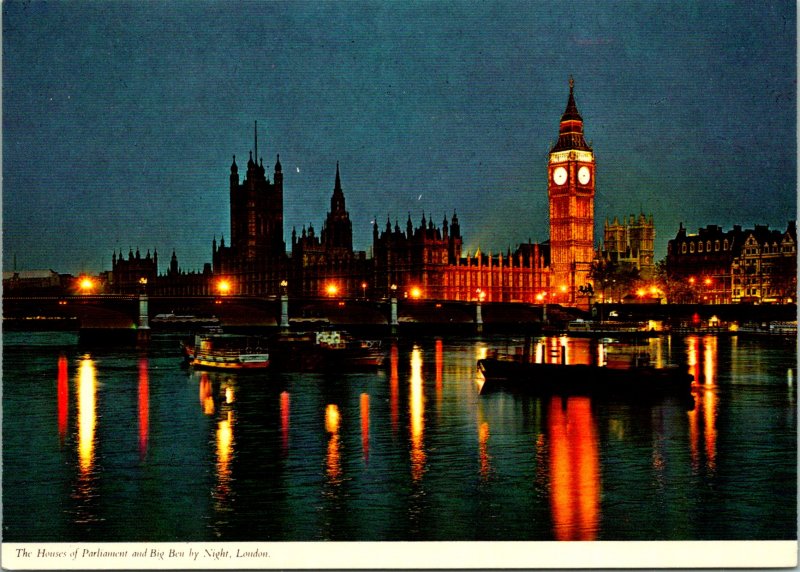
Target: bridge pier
{"x": 393, "y": 320}
{"x": 478, "y": 317}
{"x": 284, "y": 312}
{"x": 143, "y": 330}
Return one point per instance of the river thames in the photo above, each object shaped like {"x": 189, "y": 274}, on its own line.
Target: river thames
{"x": 118, "y": 445}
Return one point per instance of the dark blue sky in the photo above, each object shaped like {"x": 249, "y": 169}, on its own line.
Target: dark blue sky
{"x": 120, "y": 118}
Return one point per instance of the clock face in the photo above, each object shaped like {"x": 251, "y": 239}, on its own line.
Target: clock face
{"x": 584, "y": 175}
{"x": 560, "y": 176}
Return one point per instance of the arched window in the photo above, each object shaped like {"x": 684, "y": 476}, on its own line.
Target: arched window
{"x": 725, "y": 244}
{"x": 691, "y": 247}
{"x": 716, "y": 246}
{"x": 708, "y": 246}
{"x": 683, "y": 248}
{"x": 700, "y": 246}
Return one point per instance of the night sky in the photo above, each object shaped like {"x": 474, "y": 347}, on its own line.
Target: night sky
{"x": 120, "y": 119}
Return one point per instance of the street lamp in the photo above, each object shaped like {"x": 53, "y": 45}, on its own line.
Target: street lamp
{"x": 416, "y": 293}
{"x": 364, "y": 289}
{"x": 223, "y": 287}
{"x": 86, "y": 285}
{"x": 331, "y": 289}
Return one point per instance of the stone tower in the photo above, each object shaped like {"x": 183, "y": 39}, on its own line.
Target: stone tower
{"x": 570, "y": 189}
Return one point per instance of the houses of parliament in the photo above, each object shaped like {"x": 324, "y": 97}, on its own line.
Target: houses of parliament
{"x": 421, "y": 259}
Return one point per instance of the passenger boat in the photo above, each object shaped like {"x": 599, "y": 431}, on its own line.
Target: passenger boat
{"x": 634, "y": 376}
{"x": 324, "y": 350}
{"x": 226, "y": 352}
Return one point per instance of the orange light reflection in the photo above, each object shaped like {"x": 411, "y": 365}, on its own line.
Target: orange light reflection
{"x": 394, "y": 385}
{"x": 574, "y": 469}
{"x": 206, "y": 394}
{"x": 285, "y": 422}
{"x": 62, "y": 386}
{"x": 365, "y": 426}
{"x": 483, "y": 449}
{"x": 144, "y": 406}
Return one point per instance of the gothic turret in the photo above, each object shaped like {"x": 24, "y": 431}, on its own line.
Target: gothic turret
{"x": 570, "y": 133}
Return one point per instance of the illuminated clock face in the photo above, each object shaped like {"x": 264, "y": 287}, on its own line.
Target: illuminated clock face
{"x": 584, "y": 175}
{"x": 560, "y": 176}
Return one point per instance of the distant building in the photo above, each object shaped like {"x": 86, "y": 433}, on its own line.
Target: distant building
{"x": 326, "y": 264}
{"x": 31, "y": 281}
{"x": 735, "y": 265}
{"x": 631, "y": 243}
{"x": 255, "y": 262}
{"x": 127, "y": 273}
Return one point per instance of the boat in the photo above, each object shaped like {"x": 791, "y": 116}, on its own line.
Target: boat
{"x": 226, "y": 352}
{"x": 324, "y": 350}
{"x": 627, "y": 372}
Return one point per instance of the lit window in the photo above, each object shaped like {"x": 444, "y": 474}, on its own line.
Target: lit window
{"x": 708, "y": 246}
{"x": 683, "y": 248}
{"x": 725, "y": 244}
{"x": 699, "y": 247}
{"x": 716, "y": 246}
{"x": 691, "y": 247}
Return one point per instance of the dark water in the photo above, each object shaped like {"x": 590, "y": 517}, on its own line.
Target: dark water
{"x": 114, "y": 445}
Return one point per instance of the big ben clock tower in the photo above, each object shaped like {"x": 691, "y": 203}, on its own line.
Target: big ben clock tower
{"x": 570, "y": 189}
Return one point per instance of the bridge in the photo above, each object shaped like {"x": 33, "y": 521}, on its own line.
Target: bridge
{"x": 121, "y": 312}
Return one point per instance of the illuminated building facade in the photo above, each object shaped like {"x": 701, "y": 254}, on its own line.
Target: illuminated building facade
{"x": 751, "y": 265}
{"x": 570, "y": 189}
{"x": 426, "y": 259}
{"x": 631, "y": 243}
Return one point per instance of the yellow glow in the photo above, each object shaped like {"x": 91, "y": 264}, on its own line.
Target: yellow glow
{"x": 563, "y": 288}
{"x": 332, "y": 289}
{"x": 224, "y": 454}
{"x": 223, "y": 287}
{"x": 483, "y": 449}
{"x": 87, "y": 419}
{"x": 539, "y": 297}
{"x": 416, "y": 292}
{"x": 332, "y": 419}
{"x": 417, "y": 410}
{"x": 229, "y": 394}
{"x": 640, "y": 292}
{"x": 86, "y": 284}
{"x": 333, "y": 460}
{"x": 691, "y": 280}
{"x": 653, "y": 290}
{"x": 707, "y": 281}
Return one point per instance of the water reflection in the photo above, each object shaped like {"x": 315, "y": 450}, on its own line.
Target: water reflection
{"x": 144, "y": 406}
{"x": 333, "y": 462}
{"x": 284, "y": 422}
{"x": 62, "y": 387}
{"x": 87, "y": 415}
{"x": 206, "y": 394}
{"x": 394, "y": 385}
{"x": 703, "y": 418}
{"x": 417, "y": 412}
{"x": 439, "y": 362}
{"x": 483, "y": 450}
{"x": 365, "y": 426}
{"x": 574, "y": 469}
{"x": 225, "y": 453}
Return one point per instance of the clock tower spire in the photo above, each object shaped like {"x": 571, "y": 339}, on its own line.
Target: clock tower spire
{"x": 570, "y": 190}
